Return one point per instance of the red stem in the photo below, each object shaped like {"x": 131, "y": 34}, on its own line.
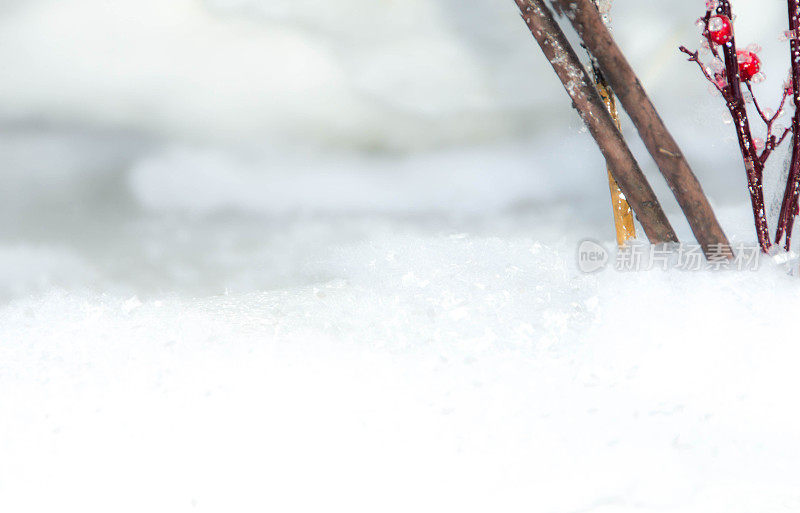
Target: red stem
{"x": 771, "y": 141}
{"x": 754, "y": 167}
{"x": 790, "y": 195}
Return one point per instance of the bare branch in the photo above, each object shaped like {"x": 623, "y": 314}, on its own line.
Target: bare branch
{"x": 789, "y": 205}
{"x": 659, "y": 142}
{"x": 592, "y": 110}
{"x": 695, "y": 57}
{"x": 755, "y": 103}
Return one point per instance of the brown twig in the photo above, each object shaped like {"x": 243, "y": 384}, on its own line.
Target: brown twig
{"x": 763, "y": 116}
{"x": 592, "y": 110}
{"x": 772, "y": 141}
{"x": 659, "y": 142}
{"x": 695, "y": 57}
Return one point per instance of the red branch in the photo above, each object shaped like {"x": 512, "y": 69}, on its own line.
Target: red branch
{"x": 789, "y": 205}
{"x": 728, "y": 83}
{"x": 738, "y": 109}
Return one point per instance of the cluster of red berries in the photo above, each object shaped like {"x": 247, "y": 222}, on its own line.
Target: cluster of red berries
{"x": 720, "y": 31}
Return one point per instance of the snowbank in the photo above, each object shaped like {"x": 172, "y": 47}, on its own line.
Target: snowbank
{"x": 447, "y": 373}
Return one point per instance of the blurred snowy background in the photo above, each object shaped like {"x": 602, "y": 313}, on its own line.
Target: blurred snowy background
{"x": 273, "y": 255}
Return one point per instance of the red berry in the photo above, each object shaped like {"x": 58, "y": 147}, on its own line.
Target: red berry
{"x": 720, "y": 29}
{"x": 749, "y": 64}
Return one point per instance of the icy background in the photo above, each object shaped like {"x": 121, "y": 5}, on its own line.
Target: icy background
{"x": 286, "y": 255}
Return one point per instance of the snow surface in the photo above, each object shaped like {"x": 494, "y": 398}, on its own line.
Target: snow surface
{"x": 262, "y": 255}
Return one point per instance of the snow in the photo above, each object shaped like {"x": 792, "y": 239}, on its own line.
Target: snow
{"x": 452, "y": 372}
{"x": 353, "y": 286}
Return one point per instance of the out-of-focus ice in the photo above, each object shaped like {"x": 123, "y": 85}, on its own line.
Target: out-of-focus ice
{"x": 365, "y": 73}
{"x": 291, "y": 256}
{"x": 454, "y": 182}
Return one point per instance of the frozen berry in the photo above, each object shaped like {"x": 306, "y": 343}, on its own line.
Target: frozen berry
{"x": 749, "y": 64}
{"x": 720, "y": 29}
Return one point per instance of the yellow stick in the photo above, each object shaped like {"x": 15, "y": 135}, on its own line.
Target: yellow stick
{"x": 623, "y": 215}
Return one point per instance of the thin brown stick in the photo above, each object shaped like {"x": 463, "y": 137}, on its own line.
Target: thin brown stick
{"x": 592, "y": 110}
{"x": 763, "y": 116}
{"x": 659, "y": 142}
{"x": 695, "y": 57}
